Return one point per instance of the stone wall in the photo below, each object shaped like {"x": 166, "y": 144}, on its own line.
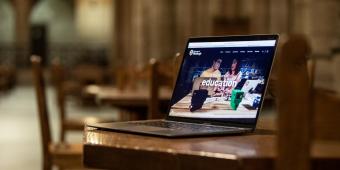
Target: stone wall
{"x": 7, "y": 22}
{"x": 141, "y": 29}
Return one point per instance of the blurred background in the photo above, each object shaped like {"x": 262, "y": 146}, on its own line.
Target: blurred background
{"x": 92, "y": 39}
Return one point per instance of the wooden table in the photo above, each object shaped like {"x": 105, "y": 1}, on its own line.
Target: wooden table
{"x": 131, "y": 102}
{"x": 127, "y": 97}
{"x": 112, "y": 150}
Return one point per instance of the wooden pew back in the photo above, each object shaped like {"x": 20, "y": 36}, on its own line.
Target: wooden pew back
{"x": 294, "y": 106}
{"x": 161, "y": 74}
{"x": 306, "y": 114}
{"x": 42, "y": 105}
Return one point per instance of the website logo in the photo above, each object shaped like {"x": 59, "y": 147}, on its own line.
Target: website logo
{"x": 195, "y": 52}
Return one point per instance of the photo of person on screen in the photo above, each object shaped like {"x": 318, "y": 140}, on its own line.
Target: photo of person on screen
{"x": 213, "y": 71}
{"x": 233, "y": 74}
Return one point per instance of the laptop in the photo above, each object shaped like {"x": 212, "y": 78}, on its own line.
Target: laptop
{"x": 222, "y": 64}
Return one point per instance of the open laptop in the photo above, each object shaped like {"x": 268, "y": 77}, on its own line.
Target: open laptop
{"x": 221, "y": 63}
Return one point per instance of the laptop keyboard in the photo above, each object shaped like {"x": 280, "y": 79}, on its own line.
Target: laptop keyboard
{"x": 180, "y": 125}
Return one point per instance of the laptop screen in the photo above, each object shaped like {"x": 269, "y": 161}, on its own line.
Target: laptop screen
{"x": 223, "y": 78}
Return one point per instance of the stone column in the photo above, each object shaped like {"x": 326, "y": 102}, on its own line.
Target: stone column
{"x": 257, "y": 11}
{"x": 260, "y": 16}
{"x": 160, "y": 28}
{"x": 184, "y": 23}
{"x": 138, "y": 38}
{"x": 323, "y": 25}
{"x": 22, "y": 29}
{"x": 300, "y": 10}
{"x": 229, "y": 8}
{"x": 123, "y": 28}
{"x": 144, "y": 29}
{"x": 193, "y": 18}
{"x": 318, "y": 20}
{"x": 203, "y": 18}
{"x": 279, "y": 21}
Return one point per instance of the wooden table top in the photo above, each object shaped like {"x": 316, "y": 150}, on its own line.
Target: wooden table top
{"x": 255, "y": 144}
{"x": 113, "y": 95}
{"x": 234, "y": 151}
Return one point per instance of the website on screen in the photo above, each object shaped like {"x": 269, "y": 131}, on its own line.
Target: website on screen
{"x": 222, "y": 80}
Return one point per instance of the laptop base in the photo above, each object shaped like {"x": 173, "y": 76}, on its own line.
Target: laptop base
{"x": 176, "y": 129}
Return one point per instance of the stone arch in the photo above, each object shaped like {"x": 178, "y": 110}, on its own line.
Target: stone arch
{"x": 58, "y": 17}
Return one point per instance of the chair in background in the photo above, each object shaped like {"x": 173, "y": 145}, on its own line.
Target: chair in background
{"x": 87, "y": 74}
{"x": 7, "y": 77}
{"x": 58, "y": 154}
{"x": 70, "y": 87}
{"x": 177, "y": 64}
{"x": 129, "y": 77}
{"x": 161, "y": 74}
{"x": 68, "y": 124}
{"x": 305, "y": 113}
{"x": 153, "y": 105}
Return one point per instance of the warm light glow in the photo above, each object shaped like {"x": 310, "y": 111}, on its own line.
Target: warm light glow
{"x": 94, "y": 19}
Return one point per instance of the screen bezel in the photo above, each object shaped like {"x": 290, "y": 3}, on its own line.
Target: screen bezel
{"x": 221, "y": 39}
